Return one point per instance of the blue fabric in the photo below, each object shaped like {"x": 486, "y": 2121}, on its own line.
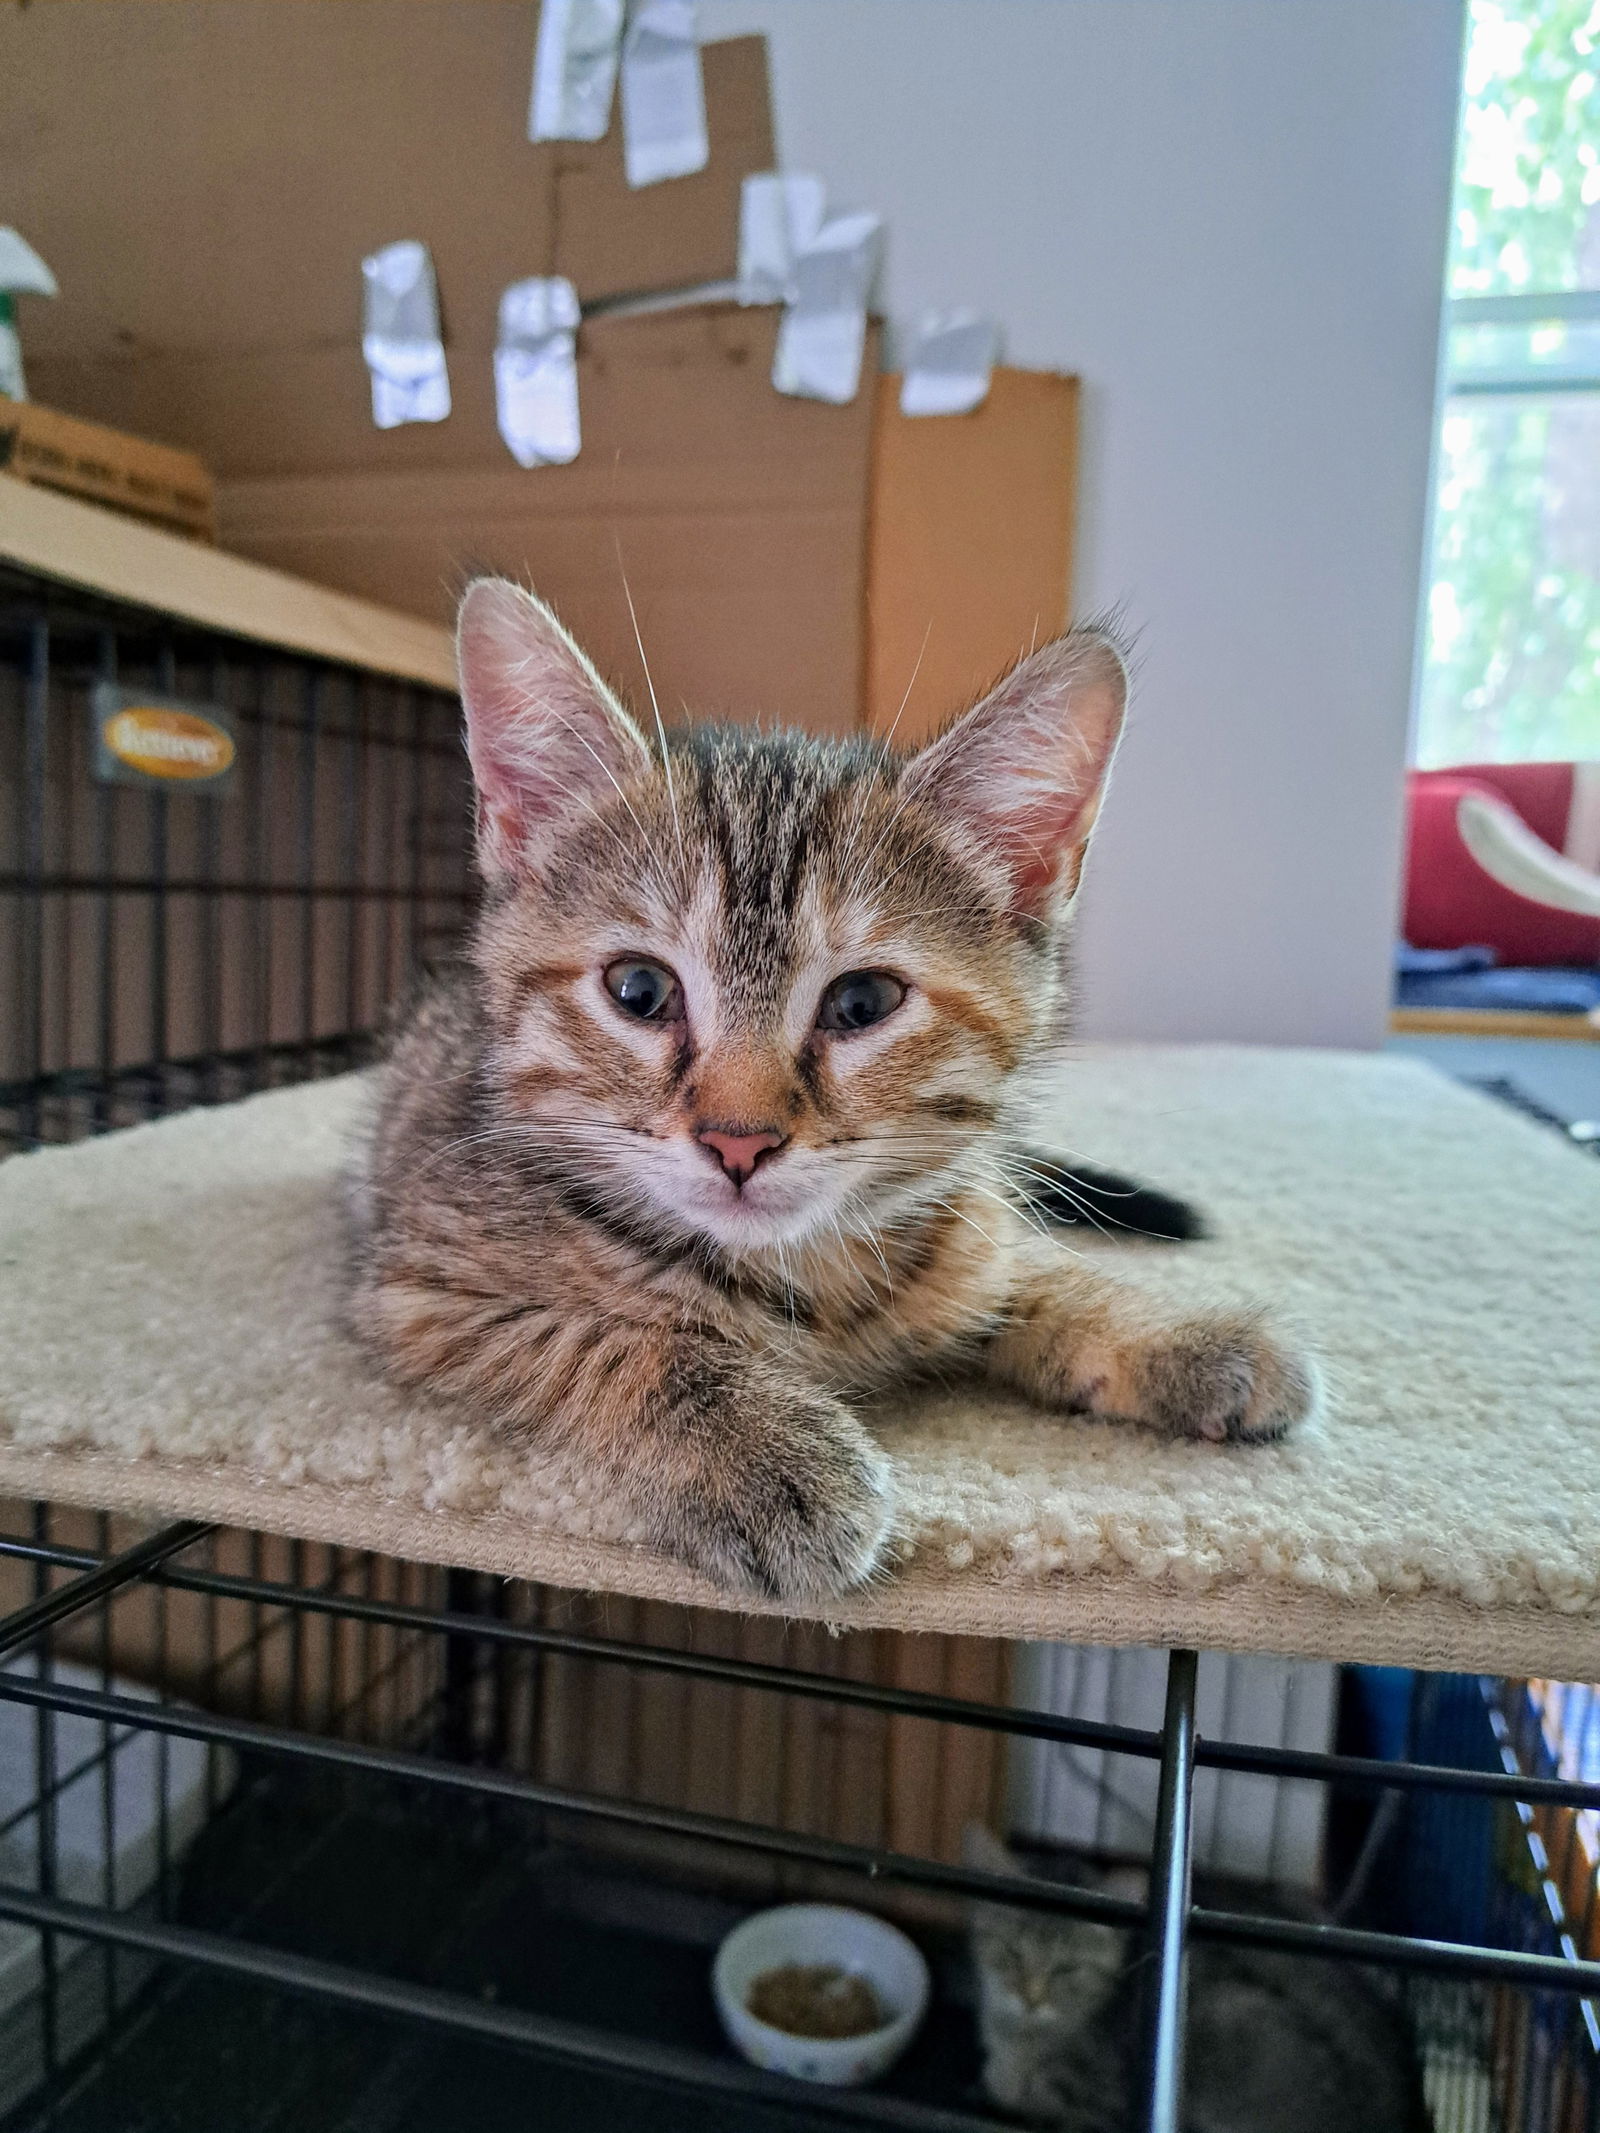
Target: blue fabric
{"x": 1383, "y": 1695}
{"x": 1428, "y": 962}
{"x": 1467, "y": 978}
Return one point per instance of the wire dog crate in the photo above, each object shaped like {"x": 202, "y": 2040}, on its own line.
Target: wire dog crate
{"x": 291, "y": 1834}
{"x": 164, "y": 948}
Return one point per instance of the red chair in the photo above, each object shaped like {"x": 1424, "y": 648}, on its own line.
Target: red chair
{"x": 1506, "y": 856}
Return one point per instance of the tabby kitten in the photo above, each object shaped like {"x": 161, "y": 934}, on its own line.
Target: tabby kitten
{"x": 715, "y": 1131}
{"x": 1273, "y": 2043}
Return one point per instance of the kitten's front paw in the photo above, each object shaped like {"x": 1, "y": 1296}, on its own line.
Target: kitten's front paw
{"x": 1225, "y": 1378}
{"x": 808, "y": 1516}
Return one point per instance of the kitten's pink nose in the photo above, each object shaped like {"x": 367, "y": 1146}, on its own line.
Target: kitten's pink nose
{"x": 737, "y": 1152}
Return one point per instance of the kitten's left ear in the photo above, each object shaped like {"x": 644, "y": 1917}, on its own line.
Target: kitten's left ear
{"x": 1024, "y": 770}
{"x": 546, "y": 737}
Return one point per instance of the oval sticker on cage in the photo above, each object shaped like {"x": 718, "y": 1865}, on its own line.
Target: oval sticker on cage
{"x": 145, "y": 739}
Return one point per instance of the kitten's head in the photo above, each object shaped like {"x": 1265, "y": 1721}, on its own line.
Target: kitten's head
{"x": 758, "y": 986}
{"x": 1045, "y": 1984}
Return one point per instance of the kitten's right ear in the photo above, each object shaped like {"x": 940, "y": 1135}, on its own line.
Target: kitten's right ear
{"x": 545, "y": 735}
{"x": 1022, "y": 772}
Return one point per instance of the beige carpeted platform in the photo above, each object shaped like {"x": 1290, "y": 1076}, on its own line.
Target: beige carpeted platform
{"x": 168, "y": 1341}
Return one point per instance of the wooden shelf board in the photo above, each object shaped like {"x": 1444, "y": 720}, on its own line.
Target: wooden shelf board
{"x": 1491, "y": 1022}
{"x": 81, "y": 544}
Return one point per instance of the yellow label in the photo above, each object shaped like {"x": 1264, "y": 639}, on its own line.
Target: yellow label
{"x": 168, "y": 744}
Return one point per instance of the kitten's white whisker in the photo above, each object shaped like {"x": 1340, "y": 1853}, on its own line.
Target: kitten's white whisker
{"x": 1105, "y": 1225}
{"x": 848, "y": 1256}
{"x": 649, "y": 680}
{"x": 961, "y": 1216}
{"x": 1030, "y": 1217}
{"x": 1066, "y": 1181}
{"x": 589, "y": 749}
{"x": 848, "y": 856}
{"x": 869, "y": 1237}
{"x": 468, "y": 1140}
{"x": 922, "y": 653}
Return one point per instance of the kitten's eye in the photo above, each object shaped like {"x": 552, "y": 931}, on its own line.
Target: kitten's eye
{"x": 646, "y": 990}
{"x": 858, "y": 999}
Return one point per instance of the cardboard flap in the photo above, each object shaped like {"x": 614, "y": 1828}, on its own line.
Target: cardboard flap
{"x": 970, "y": 545}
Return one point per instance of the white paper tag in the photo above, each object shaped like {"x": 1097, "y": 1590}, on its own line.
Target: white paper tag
{"x": 779, "y": 216}
{"x": 663, "y": 93}
{"x": 949, "y": 363}
{"x": 536, "y": 372}
{"x": 574, "y": 69}
{"x": 400, "y": 336}
{"x": 13, "y": 385}
{"x": 22, "y": 271}
{"x": 824, "y": 327}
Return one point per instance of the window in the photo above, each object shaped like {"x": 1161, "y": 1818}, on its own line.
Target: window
{"x": 1512, "y": 664}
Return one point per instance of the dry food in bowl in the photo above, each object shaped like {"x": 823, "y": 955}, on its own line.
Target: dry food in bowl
{"x": 795, "y": 1987}
{"x": 816, "y": 2000}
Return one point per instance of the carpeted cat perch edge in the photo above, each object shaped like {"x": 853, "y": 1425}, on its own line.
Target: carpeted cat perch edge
{"x": 169, "y": 1343}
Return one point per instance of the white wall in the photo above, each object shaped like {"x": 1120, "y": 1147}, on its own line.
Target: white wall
{"x": 1229, "y": 217}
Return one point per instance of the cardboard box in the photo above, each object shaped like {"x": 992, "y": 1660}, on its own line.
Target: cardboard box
{"x": 269, "y": 163}
{"x": 205, "y": 176}
{"x": 738, "y": 517}
{"x": 147, "y": 481}
{"x": 970, "y": 545}
{"x": 766, "y": 582}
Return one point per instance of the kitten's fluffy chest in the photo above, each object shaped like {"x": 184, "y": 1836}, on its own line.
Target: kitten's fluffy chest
{"x": 859, "y": 1313}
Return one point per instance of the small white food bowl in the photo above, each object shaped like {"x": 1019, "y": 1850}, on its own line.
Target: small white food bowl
{"x": 818, "y": 1933}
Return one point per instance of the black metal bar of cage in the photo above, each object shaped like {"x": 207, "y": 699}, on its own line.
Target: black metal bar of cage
{"x": 49, "y": 1609}
{"x": 199, "y": 1078}
{"x": 486, "y": 1782}
{"x": 209, "y": 959}
{"x": 1336, "y": 1943}
{"x": 1355, "y": 1772}
{"x": 160, "y": 900}
{"x": 1171, "y": 1857}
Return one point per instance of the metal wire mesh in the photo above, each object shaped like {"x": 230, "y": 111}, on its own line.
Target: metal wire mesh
{"x": 292, "y": 1835}
{"x": 167, "y": 947}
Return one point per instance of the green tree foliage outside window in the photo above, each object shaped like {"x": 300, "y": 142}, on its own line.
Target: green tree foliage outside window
{"x": 1513, "y": 643}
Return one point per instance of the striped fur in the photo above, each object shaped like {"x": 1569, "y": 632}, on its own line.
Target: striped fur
{"x": 549, "y": 1239}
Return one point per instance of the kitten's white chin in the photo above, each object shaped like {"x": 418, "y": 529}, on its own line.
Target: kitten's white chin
{"x": 776, "y": 1207}
{"x": 745, "y": 1222}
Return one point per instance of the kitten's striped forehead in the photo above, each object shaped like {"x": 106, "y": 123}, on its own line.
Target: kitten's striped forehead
{"x": 761, "y": 860}
{"x": 776, "y": 817}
